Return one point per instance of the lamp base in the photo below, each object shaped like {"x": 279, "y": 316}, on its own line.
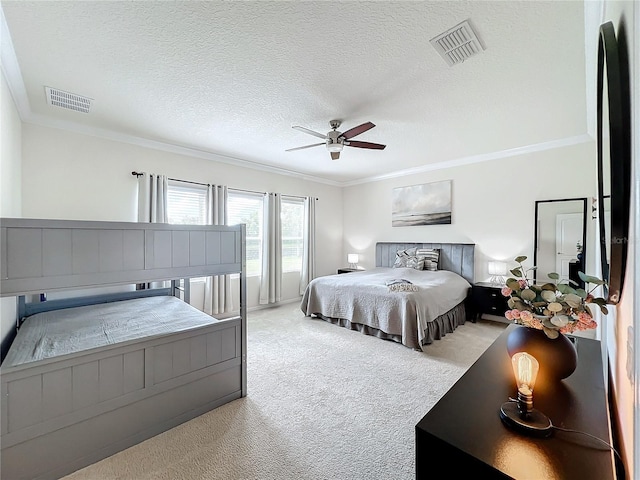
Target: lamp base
{"x": 537, "y": 425}
{"x": 497, "y": 280}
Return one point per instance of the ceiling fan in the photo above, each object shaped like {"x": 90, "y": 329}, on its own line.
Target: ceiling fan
{"x": 335, "y": 140}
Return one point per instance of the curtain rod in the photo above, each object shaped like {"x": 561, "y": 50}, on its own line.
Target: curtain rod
{"x": 138, "y": 174}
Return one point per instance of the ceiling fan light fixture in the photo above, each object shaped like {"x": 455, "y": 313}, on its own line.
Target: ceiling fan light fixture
{"x": 334, "y": 147}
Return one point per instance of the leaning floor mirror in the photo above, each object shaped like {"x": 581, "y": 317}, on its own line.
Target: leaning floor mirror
{"x": 560, "y": 239}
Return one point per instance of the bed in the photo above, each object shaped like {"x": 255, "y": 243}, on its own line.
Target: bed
{"x": 409, "y": 306}
{"x": 89, "y": 375}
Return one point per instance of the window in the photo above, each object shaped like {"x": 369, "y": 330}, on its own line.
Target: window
{"x": 292, "y": 219}
{"x": 247, "y": 208}
{"x": 186, "y": 204}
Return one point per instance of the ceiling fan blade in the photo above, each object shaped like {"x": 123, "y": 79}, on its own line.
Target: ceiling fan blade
{"x": 352, "y": 132}
{"x": 355, "y": 143}
{"x": 306, "y": 146}
{"x": 310, "y": 132}
{"x": 335, "y": 155}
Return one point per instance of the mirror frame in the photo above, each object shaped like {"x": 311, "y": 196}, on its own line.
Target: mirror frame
{"x": 536, "y": 232}
{"x": 618, "y": 100}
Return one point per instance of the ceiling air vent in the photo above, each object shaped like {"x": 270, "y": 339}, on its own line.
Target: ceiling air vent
{"x": 457, "y": 44}
{"x": 70, "y": 101}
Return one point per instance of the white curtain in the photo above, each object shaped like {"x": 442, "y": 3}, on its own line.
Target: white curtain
{"x": 217, "y": 289}
{"x": 152, "y": 198}
{"x": 308, "y": 272}
{"x": 152, "y": 205}
{"x": 271, "y": 278}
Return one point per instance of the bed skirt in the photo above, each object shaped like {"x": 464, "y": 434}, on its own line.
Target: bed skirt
{"x": 436, "y": 329}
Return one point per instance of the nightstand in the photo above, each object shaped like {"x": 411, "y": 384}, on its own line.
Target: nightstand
{"x": 486, "y": 298}
{"x": 348, "y": 270}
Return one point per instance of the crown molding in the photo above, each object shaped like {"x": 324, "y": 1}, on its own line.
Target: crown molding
{"x": 44, "y": 121}
{"x": 11, "y": 70}
{"x": 485, "y": 157}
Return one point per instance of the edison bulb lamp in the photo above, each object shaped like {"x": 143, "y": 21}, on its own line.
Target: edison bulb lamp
{"x": 520, "y": 415}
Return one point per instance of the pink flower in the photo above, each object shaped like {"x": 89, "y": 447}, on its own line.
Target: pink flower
{"x": 508, "y": 315}
{"x": 522, "y": 283}
{"x": 535, "y": 323}
{"x": 506, "y": 291}
{"x": 515, "y": 313}
{"x": 526, "y": 316}
{"x": 584, "y": 318}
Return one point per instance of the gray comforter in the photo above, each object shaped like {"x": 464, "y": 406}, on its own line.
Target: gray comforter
{"x": 71, "y": 330}
{"x": 366, "y": 298}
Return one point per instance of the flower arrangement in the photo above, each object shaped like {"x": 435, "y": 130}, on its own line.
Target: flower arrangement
{"x": 555, "y": 307}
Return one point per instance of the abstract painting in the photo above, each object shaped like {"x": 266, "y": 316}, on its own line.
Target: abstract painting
{"x": 426, "y": 204}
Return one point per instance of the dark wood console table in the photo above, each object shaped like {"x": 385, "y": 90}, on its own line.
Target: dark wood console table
{"x": 463, "y": 433}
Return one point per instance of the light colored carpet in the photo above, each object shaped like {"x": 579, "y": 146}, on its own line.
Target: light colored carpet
{"x": 323, "y": 402}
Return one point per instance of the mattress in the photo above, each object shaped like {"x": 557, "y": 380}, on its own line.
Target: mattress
{"x": 71, "y": 330}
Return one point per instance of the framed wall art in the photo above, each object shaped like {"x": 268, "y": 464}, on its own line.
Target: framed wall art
{"x": 426, "y": 204}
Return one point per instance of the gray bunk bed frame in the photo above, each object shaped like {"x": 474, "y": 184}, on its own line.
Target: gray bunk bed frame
{"x": 61, "y": 414}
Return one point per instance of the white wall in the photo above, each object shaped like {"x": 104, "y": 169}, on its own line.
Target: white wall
{"x": 10, "y": 183}
{"x": 493, "y": 204}
{"x": 79, "y": 177}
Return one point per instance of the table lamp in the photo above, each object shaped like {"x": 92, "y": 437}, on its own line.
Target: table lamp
{"x": 497, "y": 270}
{"x": 352, "y": 258}
{"x": 520, "y": 414}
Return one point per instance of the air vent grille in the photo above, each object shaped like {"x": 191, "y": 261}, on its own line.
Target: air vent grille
{"x": 457, "y": 44}
{"x": 70, "y": 101}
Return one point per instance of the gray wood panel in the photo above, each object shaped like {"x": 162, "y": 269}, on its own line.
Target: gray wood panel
{"x": 57, "y": 393}
{"x": 96, "y": 385}
{"x": 86, "y": 384}
{"x": 52, "y": 255}
{"x": 454, "y": 257}
{"x": 68, "y": 449}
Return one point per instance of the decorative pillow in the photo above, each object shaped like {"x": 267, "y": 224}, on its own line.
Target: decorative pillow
{"x": 430, "y": 254}
{"x": 431, "y": 266}
{"x": 409, "y": 261}
{"x": 409, "y": 252}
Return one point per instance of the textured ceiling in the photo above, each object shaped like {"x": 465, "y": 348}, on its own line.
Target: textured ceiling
{"x": 232, "y": 78}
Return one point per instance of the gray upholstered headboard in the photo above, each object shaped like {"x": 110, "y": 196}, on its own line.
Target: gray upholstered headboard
{"x": 455, "y": 257}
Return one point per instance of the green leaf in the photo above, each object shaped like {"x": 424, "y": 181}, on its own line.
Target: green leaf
{"x": 573, "y": 300}
{"x": 528, "y": 294}
{"x": 589, "y": 279}
{"x": 564, "y": 289}
{"x": 513, "y": 284}
{"x": 551, "y": 332}
{"x": 519, "y": 305}
{"x": 520, "y": 259}
{"x": 516, "y": 272}
{"x": 549, "y": 286}
{"x": 548, "y": 296}
{"x": 581, "y": 293}
{"x": 553, "y": 276}
{"x": 511, "y": 302}
{"x": 604, "y": 309}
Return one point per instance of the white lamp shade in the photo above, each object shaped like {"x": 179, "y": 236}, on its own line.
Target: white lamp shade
{"x": 497, "y": 268}
{"x": 352, "y": 258}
